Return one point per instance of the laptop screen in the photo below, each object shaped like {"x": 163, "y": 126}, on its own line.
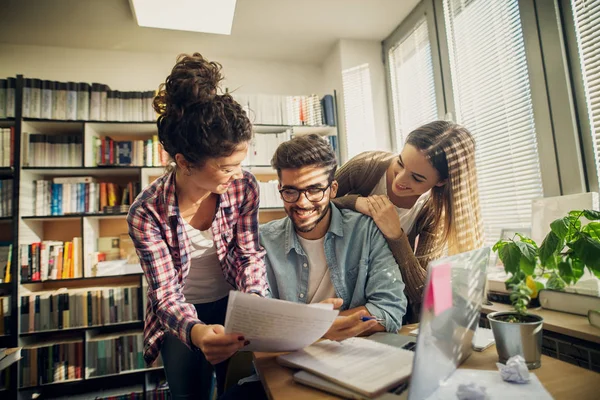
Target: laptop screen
{"x": 449, "y": 316}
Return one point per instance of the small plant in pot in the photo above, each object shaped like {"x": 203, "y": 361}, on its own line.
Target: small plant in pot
{"x": 560, "y": 260}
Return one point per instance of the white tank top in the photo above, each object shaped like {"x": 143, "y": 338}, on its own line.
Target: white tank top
{"x": 205, "y": 282}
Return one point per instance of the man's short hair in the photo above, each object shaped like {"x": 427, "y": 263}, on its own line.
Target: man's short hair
{"x": 305, "y": 151}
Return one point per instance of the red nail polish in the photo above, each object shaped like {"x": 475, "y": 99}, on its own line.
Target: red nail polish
{"x": 240, "y": 338}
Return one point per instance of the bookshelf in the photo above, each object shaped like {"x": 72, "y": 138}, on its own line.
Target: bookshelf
{"x": 78, "y": 160}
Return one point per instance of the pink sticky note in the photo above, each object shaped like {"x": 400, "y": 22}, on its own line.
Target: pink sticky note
{"x": 441, "y": 285}
{"x": 428, "y": 300}
{"x": 438, "y": 295}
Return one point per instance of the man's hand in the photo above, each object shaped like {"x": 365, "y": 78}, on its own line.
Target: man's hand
{"x": 350, "y": 326}
{"x": 215, "y": 344}
{"x": 385, "y": 216}
{"x": 337, "y": 302}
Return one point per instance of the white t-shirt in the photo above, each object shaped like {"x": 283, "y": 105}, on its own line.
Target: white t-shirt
{"x": 205, "y": 282}
{"x": 319, "y": 279}
{"x": 407, "y": 215}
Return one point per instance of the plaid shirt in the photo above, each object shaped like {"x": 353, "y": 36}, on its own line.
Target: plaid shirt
{"x": 161, "y": 242}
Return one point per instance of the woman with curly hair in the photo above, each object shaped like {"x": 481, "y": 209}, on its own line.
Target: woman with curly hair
{"x": 195, "y": 229}
{"x": 425, "y": 200}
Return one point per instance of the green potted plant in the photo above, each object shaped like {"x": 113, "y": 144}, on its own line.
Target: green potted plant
{"x": 560, "y": 260}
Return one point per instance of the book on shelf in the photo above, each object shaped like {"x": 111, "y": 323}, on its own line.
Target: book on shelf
{"x": 263, "y": 146}
{"x": 269, "y": 195}
{"x": 7, "y": 141}
{"x": 79, "y": 308}
{"x": 109, "y": 354}
{"x": 5, "y": 326}
{"x": 5, "y": 262}
{"x": 284, "y": 110}
{"x": 7, "y": 97}
{"x": 44, "y": 150}
{"x": 51, "y": 260}
{"x": 148, "y": 152}
{"x": 160, "y": 393}
{"x": 79, "y": 195}
{"x": 6, "y": 197}
{"x": 49, "y": 363}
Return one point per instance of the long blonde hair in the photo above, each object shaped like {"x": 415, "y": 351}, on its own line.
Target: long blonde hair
{"x": 454, "y": 207}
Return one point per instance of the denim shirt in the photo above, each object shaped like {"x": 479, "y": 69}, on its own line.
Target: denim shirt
{"x": 362, "y": 268}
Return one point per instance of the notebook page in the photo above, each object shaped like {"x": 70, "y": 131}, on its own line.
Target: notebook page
{"x": 276, "y": 325}
{"x": 363, "y": 365}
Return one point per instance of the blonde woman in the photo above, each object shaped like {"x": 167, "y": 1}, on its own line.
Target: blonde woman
{"x": 425, "y": 200}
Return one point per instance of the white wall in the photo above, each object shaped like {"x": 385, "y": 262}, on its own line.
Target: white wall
{"x": 145, "y": 71}
{"x": 332, "y": 80}
{"x": 358, "y": 52}
{"x": 351, "y": 53}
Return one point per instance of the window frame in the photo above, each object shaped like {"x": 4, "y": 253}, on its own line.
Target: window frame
{"x": 425, "y": 9}
{"x": 578, "y": 96}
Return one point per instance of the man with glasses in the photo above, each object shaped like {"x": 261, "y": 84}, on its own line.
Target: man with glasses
{"x": 320, "y": 253}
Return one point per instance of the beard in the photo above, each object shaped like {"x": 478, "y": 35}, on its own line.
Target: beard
{"x": 308, "y": 226}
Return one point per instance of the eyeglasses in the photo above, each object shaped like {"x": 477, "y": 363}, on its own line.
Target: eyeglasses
{"x": 312, "y": 194}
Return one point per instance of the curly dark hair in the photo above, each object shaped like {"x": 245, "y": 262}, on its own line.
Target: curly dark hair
{"x": 194, "y": 119}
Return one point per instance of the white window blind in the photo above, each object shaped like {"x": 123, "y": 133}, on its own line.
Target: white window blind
{"x": 358, "y": 109}
{"x": 492, "y": 97}
{"x": 413, "y": 87}
{"x": 586, "y": 14}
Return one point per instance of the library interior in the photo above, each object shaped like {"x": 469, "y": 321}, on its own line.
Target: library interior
{"x": 398, "y": 199}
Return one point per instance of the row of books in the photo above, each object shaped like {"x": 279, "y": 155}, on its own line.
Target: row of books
{"x": 158, "y": 394}
{"x": 81, "y": 101}
{"x": 147, "y": 152}
{"x": 7, "y": 97}
{"x": 78, "y": 195}
{"x": 7, "y": 140}
{"x": 78, "y": 308}
{"x": 6, "y": 197}
{"x": 263, "y": 146}
{"x": 5, "y": 326}
{"x": 287, "y": 110}
{"x": 45, "y": 260}
{"x": 269, "y": 195}
{"x": 42, "y": 150}
{"x": 116, "y": 353}
{"x": 45, "y": 364}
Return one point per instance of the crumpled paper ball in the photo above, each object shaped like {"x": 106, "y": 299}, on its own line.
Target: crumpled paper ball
{"x": 471, "y": 392}
{"x": 515, "y": 370}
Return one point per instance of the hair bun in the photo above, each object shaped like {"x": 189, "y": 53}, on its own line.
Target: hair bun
{"x": 193, "y": 80}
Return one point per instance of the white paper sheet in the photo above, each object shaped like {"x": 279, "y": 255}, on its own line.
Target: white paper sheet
{"x": 276, "y": 325}
{"x": 494, "y": 386}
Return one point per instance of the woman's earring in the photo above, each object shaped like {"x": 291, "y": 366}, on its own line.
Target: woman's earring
{"x": 189, "y": 172}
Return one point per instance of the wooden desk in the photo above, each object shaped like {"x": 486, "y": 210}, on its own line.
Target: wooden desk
{"x": 572, "y": 325}
{"x": 562, "y": 380}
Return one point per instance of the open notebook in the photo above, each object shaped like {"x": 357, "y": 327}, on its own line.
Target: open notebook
{"x": 364, "y": 366}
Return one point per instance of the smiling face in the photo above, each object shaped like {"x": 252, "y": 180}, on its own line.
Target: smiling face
{"x": 412, "y": 174}
{"x": 217, "y": 173}
{"x": 308, "y": 216}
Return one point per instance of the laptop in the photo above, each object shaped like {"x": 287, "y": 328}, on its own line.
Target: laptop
{"x": 453, "y": 296}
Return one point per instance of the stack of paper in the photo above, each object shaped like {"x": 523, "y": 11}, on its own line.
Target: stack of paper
{"x": 364, "y": 366}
